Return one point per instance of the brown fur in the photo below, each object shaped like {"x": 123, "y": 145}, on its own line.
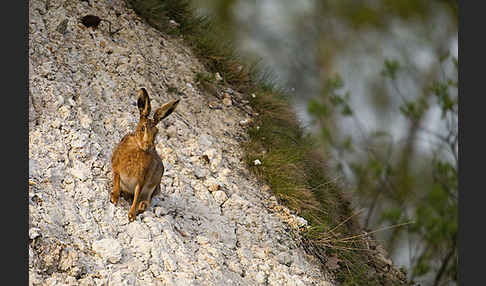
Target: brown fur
{"x": 137, "y": 168}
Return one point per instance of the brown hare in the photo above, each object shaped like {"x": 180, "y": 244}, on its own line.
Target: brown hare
{"x": 137, "y": 168}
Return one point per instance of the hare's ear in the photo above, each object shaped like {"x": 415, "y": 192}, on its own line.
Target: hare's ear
{"x": 165, "y": 110}
{"x": 143, "y": 102}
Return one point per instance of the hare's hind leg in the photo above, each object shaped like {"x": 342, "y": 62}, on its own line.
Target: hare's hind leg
{"x": 145, "y": 201}
{"x": 156, "y": 191}
{"x": 115, "y": 194}
{"x": 126, "y": 195}
{"x": 143, "y": 205}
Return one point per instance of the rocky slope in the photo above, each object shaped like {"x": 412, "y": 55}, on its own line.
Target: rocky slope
{"x": 212, "y": 223}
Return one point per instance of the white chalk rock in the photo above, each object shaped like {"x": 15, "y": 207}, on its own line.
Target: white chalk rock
{"x": 109, "y": 249}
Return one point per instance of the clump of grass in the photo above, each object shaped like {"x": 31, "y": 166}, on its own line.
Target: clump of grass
{"x": 292, "y": 163}
{"x": 172, "y": 89}
{"x": 276, "y": 143}
{"x": 204, "y": 77}
{"x": 159, "y": 13}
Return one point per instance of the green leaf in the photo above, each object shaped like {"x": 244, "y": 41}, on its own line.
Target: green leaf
{"x": 444, "y": 56}
{"x": 336, "y": 100}
{"x": 456, "y": 63}
{"x": 392, "y": 215}
{"x": 390, "y": 68}
{"x": 317, "y": 109}
{"x": 347, "y": 111}
{"x": 414, "y": 110}
{"x": 441, "y": 91}
{"x": 333, "y": 84}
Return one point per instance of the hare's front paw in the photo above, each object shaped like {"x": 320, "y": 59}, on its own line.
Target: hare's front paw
{"x": 131, "y": 216}
{"x": 114, "y": 197}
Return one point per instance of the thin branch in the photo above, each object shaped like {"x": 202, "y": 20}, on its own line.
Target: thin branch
{"x": 445, "y": 263}
{"x": 395, "y": 87}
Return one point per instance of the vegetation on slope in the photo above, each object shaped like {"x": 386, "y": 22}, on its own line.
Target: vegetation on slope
{"x": 291, "y": 162}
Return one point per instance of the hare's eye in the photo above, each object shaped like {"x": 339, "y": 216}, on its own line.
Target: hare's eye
{"x": 143, "y": 128}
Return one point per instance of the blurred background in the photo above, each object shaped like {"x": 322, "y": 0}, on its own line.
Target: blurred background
{"x": 376, "y": 82}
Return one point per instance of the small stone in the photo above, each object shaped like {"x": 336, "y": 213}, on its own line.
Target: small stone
{"x": 204, "y": 141}
{"x": 253, "y": 95}
{"x": 265, "y": 188}
{"x": 71, "y": 102}
{"x": 85, "y": 121}
{"x": 202, "y": 240}
{"x": 171, "y": 131}
{"x": 80, "y": 170}
{"x": 159, "y": 211}
{"x": 235, "y": 267}
{"x": 257, "y": 162}
{"x": 33, "y": 167}
{"x": 260, "y": 278}
{"x": 64, "y": 111}
{"x": 214, "y": 105}
{"x": 137, "y": 230}
{"x": 212, "y": 154}
{"x": 220, "y": 197}
{"x": 213, "y": 187}
{"x": 218, "y": 77}
{"x": 87, "y": 281}
{"x": 244, "y": 254}
{"x": 245, "y": 122}
{"x": 200, "y": 173}
{"x": 174, "y": 23}
{"x": 34, "y": 233}
{"x": 69, "y": 261}
{"x": 80, "y": 141}
{"x": 227, "y": 99}
{"x": 56, "y": 123}
{"x": 294, "y": 281}
{"x": 284, "y": 258}
{"x": 301, "y": 222}
{"x": 260, "y": 253}
{"x": 109, "y": 249}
